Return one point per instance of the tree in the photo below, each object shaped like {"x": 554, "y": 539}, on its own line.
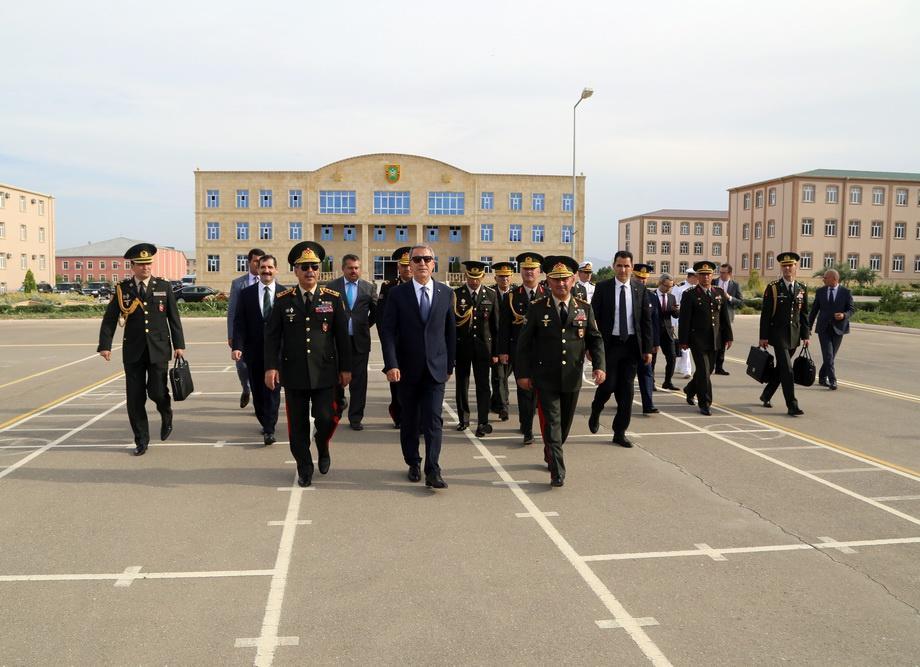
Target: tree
{"x": 28, "y": 283}
{"x": 755, "y": 284}
{"x": 847, "y": 275}
{"x": 603, "y": 274}
{"x": 864, "y": 276}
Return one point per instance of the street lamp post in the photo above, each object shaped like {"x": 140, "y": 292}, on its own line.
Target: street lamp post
{"x": 585, "y": 94}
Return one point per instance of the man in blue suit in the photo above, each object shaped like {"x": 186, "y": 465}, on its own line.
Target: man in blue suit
{"x": 248, "y": 279}
{"x": 419, "y": 340}
{"x": 254, "y": 305}
{"x": 833, "y": 306}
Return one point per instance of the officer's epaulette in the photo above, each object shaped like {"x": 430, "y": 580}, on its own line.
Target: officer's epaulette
{"x": 289, "y": 290}
{"x": 332, "y": 292}
{"x": 581, "y": 301}
{"x": 775, "y": 282}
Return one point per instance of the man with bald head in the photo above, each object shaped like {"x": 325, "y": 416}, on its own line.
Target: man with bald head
{"x": 832, "y": 308}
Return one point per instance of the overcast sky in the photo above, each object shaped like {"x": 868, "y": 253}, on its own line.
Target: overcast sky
{"x": 110, "y": 106}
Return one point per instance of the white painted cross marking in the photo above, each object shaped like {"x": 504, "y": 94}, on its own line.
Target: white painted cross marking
{"x": 831, "y": 543}
{"x": 709, "y": 551}
{"x": 129, "y": 575}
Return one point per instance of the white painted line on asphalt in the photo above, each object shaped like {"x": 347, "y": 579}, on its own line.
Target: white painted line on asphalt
{"x": 510, "y": 482}
{"x": 626, "y": 621}
{"x": 499, "y": 456}
{"x": 890, "y": 498}
{"x": 220, "y": 443}
{"x": 709, "y": 551}
{"x": 128, "y": 576}
{"x": 298, "y": 488}
{"x": 528, "y": 515}
{"x": 801, "y": 546}
{"x": 253, "y": 642}
{"x": 788, "y": 448}
{"x": 831, "y": 471}
{"x": 614, "y": 625}
{"x": 300, "y": 522}
{"x": 116, "y": 576}
{"x": 841, "y": 549}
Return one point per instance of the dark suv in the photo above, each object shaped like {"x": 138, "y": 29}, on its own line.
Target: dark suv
{"x": 68, "y": 288}
{"x": 98, "y": 290}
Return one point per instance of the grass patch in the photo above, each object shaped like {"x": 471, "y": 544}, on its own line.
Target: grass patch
{"x": 896, "y": 319}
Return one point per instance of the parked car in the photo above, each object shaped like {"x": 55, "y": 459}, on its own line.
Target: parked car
{"x": 99, "y": 290}
{"x": 68, "y": 288}
{"x": 176, "y": 285}
{"x": 193, "y": 293}
{"x": 44, "y": 288}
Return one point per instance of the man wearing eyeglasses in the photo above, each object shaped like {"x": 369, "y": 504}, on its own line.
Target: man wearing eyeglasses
{"x": 419, "y": 340}
{"x": 308, "y": 351}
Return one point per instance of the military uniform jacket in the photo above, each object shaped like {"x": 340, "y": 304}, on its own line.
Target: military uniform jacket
{"x": 704, "y": 321}
{"x": 310, "y": 346}
{"x": 153, "y": 324}
{"x": 512, "y": 311}
{"x": 477, "y": 323}
{"x": 579, "y": 291}
{"x": 552, "y": 353}
{"x": 784, "y": 316}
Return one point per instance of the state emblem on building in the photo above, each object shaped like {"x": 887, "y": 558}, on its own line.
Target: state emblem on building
{"x": 392, "y": 173}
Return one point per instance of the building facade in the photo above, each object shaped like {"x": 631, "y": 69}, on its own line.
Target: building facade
{"x": 856, "y": 218}
{"x": 670, "y": 240}
{"x": 26, "y": 237}
{"x": 104, "y": 261}
{"x": 372, "y": 204}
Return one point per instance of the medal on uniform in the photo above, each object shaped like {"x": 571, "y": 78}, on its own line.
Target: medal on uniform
{"x": 162, "y": 308}
{"x": 581, "y": 332}
{"x": 325, "y": 327}
{"x": 546, "y": 320}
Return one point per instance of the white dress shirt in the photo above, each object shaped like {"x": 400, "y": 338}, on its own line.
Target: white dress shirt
{"x": 589, "y": 289}
{"x": 418, "y": 291}
{"x": 630, "y": 320}
{"x": 271, "y": 293}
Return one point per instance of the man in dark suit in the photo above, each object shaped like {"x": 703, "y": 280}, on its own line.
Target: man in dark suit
{"x": 308, "y": 351}
{"x": 667, "y": 308}
{"x": 419, "y": 340}
{"x": 784, "y": 324}
{"x": 704, "y": 328}
{"x": 251, "y": 277}
{"x": 560, "y": 328}
{"x": 646, "y": 372}
{"x": 735, "y": 300}
{"x": 626, "y": 326}
{"x": 360, "y": 299}
{"x": 404, "y": 275}
{"x": 146, "y": 307}
{"x": 503, "y": 271}
{"x": 253, "y": 309}
{"x": 832, "y": 308}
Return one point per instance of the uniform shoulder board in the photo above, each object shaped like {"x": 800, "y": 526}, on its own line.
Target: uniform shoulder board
{"x": 289, "y": 290}
{"x": 582, "y": 301}
{"x": 331, "y": 292}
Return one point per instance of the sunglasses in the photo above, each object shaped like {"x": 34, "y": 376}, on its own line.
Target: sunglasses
{"x": 418, "y": 259}
{"x": 309, "y": 267}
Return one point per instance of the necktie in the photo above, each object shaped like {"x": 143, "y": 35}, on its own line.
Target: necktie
{"x": 266, "y": 303}
{"x": 141, "y": 292}
{"x": 664, "y": 304}
{"x": 563, "y": 313}
{"x": 624, "y": 334}
{"x": 530, "y": 292}
{"x": 350, "y": 294}
{"x": 425, "y": 304}
{"x": 832, "y": 295}
{"x": 308, "y": 299}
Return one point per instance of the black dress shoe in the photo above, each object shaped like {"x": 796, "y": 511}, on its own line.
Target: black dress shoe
{"x": 822, "y": 382}
{"x": 528, "y": 439}
{"x": 704, "y": 410}
{"x": 668, "y": 385}
{"x": 244, "y": 399}
{"x": 556, "y": 481}
{"x": 462, "y": 426}
{"x": 356, "y": 426}
{"x": 305, "y": 479}
{"x": 594, "y": 421}
{"x": 414, "y": 474}
{"x": 268, "y": 439}
{"x": 622, "y": 441}
{"x": 721, "y": 371}
{"x": 795, "y": 412}
{"x": 766, "y": 404}
{"x": 140, "y": 450}
{"x": 503, "y": 415}
{"x": 689, "y": 397}
{"x": 397, "y": 424}
{"x": 434, "y": 480}
{"x": 323, "y": 460}
{"x": 483, "y": 429}
{"x": 832, "y": 386}
{"x": 650, "y": 411}
{"x": 166, "y": 425}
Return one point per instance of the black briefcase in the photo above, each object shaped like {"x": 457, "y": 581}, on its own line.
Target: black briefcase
{"x": 180, "y": 380}
{"x": 760, "y": 364}
{"x": 803, "y": 369}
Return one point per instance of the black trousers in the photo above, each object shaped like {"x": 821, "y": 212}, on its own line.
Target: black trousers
{"x": 667, "y": 349}
{"x": 701, "y": 384}
{"x": 556, "y": 410}
{"x": 395, "y": 409}
{"x": 483, "y": 389}
{"x": 622, "y": 363}
{"x": 783, "y": 376}
{"x": 500, "y": 373}
{"x": 357, "y": 388}
{"x": 142, "y": 379}
{"x": 527, "y": 408}
{"x": 264, "y": 401}
{"x": 428, "y": 395}
{"x": 830, "y": 344}
{"x": 300, "y": 403}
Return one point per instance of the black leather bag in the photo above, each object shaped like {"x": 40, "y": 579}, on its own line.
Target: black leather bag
{"x": 180, "y": 380}
{"x": 760, "y": 364}
{"x": 803, "y": 369}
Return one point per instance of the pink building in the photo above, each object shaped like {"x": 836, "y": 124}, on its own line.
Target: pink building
{"x": 104, "y": 261}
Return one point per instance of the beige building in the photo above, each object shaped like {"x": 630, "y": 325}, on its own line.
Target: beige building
{"x": 828, "y": 216}
{"x": 26, "y": 237}
{"x": 670, "y": 240}
{"x": 370, "y": 205}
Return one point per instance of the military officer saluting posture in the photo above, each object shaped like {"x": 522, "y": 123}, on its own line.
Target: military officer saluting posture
{"x": 704, "y": 326}
{"x": 404, "y": 275}
{"x": 784, "y": 324}
{"x": 551, "y": 356}
{"x": 146, "y": 308}
{"x": 307, "y": 336}
{"x": 476, "y": 312}
{"x": 503, "y": 271}
{"x": 512, "y": 312}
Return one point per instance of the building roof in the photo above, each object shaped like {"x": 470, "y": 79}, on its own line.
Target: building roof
{"x": 868, "y": 175}
{"x": 682, "y": 213}
{"x": 6, "y": 186}
{"x": 116, "y": 247}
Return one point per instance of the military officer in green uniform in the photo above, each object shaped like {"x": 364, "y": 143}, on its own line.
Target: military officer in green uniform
{"x": 146, "y": 308}
{"x": 476, "y": 312}
{"x": 784, "y": 324}
{"x": 307, "y": 337}
{"x": 512, "y": 312}
{"x": 704, "y": 325}
{"x": 503, "y": 272}
{"x": 404, "y": 275}
{"x": 559, "y": 329}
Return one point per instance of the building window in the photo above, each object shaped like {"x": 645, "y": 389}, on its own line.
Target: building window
{"x": 916, "y": 263}
{"x": 830, "y": 258}
{"x": 897, "y": 263}
{"x": 808, "y": 194}
{"x": 487, "y": 260}
{"x": 699, "y": 228}
{"x": 853, "y": 261}
{"x": 758, "y": 199}
{"x": 265, "y": 198}
{"x": 89, "y": 264}
{"x": 830, "y": 227}
{"x": 380, "y": 233}
{"x": 651, "y": 266}
{"x": 242, "y": 198}
{"x": 349, "y": 233}
{"x": 665, "y": 226}
{"x": 746, "y": 231}
{"x": 652, "y": 227}
{"x": 213, "y": 231}
{"x": 538, "y": 201}
{"x": 89, "y": 276}
{"x": 342, "y": 202}
{"x": 855, "y": 194}
{"x": 744, "y": 261}
{"x": 101, "y": 263}
{"x": 515, "y": 201}
{"x": 900, "y": 230}
{"x": 446, "y": 203}
{"x": 682, "y": 267}
{"x": 716, "y": 249}
{"x": 697, "y": 247}
{"x": 2, "y": 227}
{"x": 717, "y": 229}
{"x": 665, "y": 247}
{"x": 431, "y": 233}
{"x": 242, "y": 264}
{"x": 567, "y": 201}
{"x": 537, "y": 233}
{"x": 265, "y": 231}
{"x": 23, "y": 233}
{"x": 628, "y": 228}
{"x": 295, "y": 231}
{"x": 212, "y": 199}
{"x": 79, "y": 279}
{"x": 23, "y": 261}
{"x": 115, "y": 265}
{"x": 665, "y": 266}
{"x": 771, "y": 228}
{"x": 295, "y": 198}
{"x": 213, "y": 264}
{"x": 757, "y": 261}
{"x": 805, "y": 261}
{"x": 758, "y": 230}
{"x": 65, "y": 266}
{"x": 918, "y": 231}
{"x": 771, "y": 197}
{"x": 22, "y": 203}
{"x": 514, "y": 234}
{"x": 487, "y": 201}
{"x": 402, "y": 232}
{"x": 747, "y": 201}
{"x": 485, "y": 233}
{"x": 650, "y": 247}
{"x": 684, "y": 248}
{"x": 568, "y": 234}
{"x": 900, "y": 197}
{"x": 830, "y": 194}
{"x": 455, "y": 234}
{"x": 876, "y": 229}
{"x": 41, "y": 234}
{"x": 808, "y": 226}
{"x": 853, "y": 229}
{"x": 769, "y": 261}
{"x": 685, "y": 229}
{"x": 242, "y": 231}
{"x": 78, "y": 264}
{"x": 878, "y": 196}
{"x": 875, "y": 262}
{"x": 391, "y": 203}
{"x": 325, "y": 233}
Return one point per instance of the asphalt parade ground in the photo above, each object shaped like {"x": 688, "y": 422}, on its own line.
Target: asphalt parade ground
{"x": 744, "y": 538}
